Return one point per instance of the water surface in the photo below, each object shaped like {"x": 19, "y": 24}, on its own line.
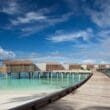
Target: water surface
{"x": 53, "y": 82}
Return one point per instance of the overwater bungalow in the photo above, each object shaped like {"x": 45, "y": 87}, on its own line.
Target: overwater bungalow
{"x": 19, "y": 66}
{"x": 90, "y": 66}
{"x": 74, "y": 66}
{"x": 102, "y": 66}
{"x": 3, "y": 69}
{"x": 54, "y": 66}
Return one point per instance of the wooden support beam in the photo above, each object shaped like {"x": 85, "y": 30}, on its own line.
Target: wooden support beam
{"x": 9, "y": 74}
{"x": 19, "y": 75}
{"x": 29, "y": 75}
{"x": 32, "y": 74}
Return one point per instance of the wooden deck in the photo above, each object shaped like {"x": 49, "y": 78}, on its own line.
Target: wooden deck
{"x": 93, "y": 95}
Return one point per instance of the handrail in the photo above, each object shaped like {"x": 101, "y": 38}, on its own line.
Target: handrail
{"x": 38, "y": 103}
{"x": 104, "y": 72}
{"x": 107, "y": 74}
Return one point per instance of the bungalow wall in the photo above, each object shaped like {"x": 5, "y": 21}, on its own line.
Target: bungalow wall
{"x": 51, "y": 67}
{"x": 19, "y": 66}
{"x": 90, "y": 66}
{"x": 74, "y": 66}
{"x": 102, "y": 66}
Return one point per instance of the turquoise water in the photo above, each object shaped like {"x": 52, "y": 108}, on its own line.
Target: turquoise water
{"x": 53, "y": 82}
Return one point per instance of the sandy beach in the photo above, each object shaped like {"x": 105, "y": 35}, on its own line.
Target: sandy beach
{"x": 10, "y": 99}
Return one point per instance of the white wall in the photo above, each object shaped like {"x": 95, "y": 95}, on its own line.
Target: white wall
{"x": 96, "y": 66}
{"x": 84, "y": 66}
{"x": 41, "y": 66}
{"x": 66, "y": 66}
{"x": 107, "y": 66}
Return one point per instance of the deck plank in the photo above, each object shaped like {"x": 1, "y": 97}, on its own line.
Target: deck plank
{"x": 93, "y": 95}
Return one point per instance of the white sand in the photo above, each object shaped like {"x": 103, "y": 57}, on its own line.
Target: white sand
{"x": 10, "y": 99}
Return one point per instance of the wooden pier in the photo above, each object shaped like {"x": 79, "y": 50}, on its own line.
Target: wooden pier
{"x": 93, "y": 95}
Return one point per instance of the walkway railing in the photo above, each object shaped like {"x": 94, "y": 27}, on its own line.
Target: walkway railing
{"x": 105, "y": 71}
{"x": 38, "y": 103}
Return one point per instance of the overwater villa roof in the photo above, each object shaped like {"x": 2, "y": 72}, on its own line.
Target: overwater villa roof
{"x": 53, "y": 63}
{"x": 75, "y": 64}
{"x": 18, "y": 63}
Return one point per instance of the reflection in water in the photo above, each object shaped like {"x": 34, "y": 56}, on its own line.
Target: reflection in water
{"x": 40, "y": 81}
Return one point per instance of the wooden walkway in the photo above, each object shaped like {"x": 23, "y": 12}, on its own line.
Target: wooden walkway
{"x": 93, "y": 95}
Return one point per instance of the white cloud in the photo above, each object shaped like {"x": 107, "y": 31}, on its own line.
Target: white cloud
{"x": 97, "y": 52}
{"x": 29, "y": 17}
{"x": 42, "y": 23}
{"x": 54, "y": 20}
{"x": 104, "y": 34}
{"x": 85, "y": 35}
{"x": 100, "y": 17}
{"x": 104, "y": 62}
{"x": 4, "y": 54}
{"x": 36, "y": 57}
{"x": 80, "y": 53}
{"x": 10, "y": 7}
{"x": 98, "y": 10}
{"x": 28, "y": 21}
{"x": 90, "y": 61}
{"x": 51, "y": 58}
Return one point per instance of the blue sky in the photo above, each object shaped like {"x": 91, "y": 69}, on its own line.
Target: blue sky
{"x": 66, "y": 31}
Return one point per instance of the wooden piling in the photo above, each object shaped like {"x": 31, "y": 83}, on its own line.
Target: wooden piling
{"x": 29, "y": 75}
{"x": 19, "y": 75}
{"x": 32, "y": 74}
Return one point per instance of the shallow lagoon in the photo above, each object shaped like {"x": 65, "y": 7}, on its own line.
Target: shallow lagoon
{"x": 55, "y": 81}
